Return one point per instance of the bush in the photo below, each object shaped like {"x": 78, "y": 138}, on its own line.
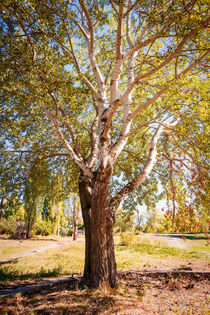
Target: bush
{"x": 128, "y": 239}
{"x": 70, "y": 232}
{"x": 8, "y": 226}
{"x": 43, "y": 228}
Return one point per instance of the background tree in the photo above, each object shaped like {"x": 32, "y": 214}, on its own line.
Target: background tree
{"x": 34, "y": 194}
{"x": 124, "y": 220}
{"x": 76, "y": 212}
{"x": 111, "y": 80}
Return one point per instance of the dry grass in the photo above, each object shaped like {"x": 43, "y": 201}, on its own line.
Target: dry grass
{"x": 68, "y": 258}
{"x": 11, "y": 247}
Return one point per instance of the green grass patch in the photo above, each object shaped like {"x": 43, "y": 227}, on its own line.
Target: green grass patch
{"x": 152, "y": 249}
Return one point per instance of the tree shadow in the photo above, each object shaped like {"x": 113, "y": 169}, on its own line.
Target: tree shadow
{"x": 190, "y": 237}
{"x": 28, "y": 239}
{"x": 185, "y": 236}
{"x": 10, "y": 274}
{"x": 63, "y": 299}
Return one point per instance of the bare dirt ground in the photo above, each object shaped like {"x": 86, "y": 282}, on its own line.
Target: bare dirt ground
{"x": 135, "y": 295}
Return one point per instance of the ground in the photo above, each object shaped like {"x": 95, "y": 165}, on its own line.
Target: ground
{"x": 137, "y": 293}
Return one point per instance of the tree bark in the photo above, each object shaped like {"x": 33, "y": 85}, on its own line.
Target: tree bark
{"x": 85, "y": 192}
{"x": 100, "y": 266}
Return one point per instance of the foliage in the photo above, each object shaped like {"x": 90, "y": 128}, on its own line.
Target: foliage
{"x": 128, "y": 239}
{"x": 42, "y": 228}
{"x": 8, "y": 226}
{"x": 155, "y": 222}
{"x": 124, "y": 220}
{"x": 39, "y": 68}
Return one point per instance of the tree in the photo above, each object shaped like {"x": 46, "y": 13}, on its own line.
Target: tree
{"x": 34, "y": 194}
{"x": 76, "y": 210}
{"x": 155, "y": 221}
{"x": 124, "y": 220}
{"x": 109, "y": 79}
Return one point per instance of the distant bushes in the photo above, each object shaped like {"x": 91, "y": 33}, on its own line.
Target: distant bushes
{"x": 42, "y": 228}
{"x": 14, "y": 227}
{"x": 129, "y": 239}
{"x": 8, "y": 226}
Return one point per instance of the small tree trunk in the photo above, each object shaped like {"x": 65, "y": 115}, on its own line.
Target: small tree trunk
{"x": 1, "y": 206}
{"x": 75, "y": 216}
{"x": 29, "y": 229}
{"x": 75, "y": 230}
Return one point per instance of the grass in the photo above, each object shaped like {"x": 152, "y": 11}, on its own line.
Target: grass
{"x": 63, "y": 260}
{"x": 144, "y": 252}
{"x": 10, "y": 247}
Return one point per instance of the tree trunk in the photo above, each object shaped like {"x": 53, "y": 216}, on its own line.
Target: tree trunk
{"x": 100, "y": 265}
{"x": 75, "y": 230}
{"x": 75, "y": 217}
{"x": 1, "y": 206}
{"x": 85, "y": 192}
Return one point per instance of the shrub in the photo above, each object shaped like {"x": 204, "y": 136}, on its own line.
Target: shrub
{"x": 128, "y": 239}
{"x": 43, "y": 228}
{"x": 70, "y": 232}
{"x": 8, "y": 226}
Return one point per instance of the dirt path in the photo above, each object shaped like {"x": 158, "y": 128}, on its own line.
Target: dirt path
{"x": 167, "y": 239}
{"x": 174, "y": 242}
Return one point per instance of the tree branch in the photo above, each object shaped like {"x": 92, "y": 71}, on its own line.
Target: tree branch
{"x": 90, "y": 42}
{"x": 116, "y": 200}
{"x": 92, "y": 159}
{"x": 78, "y": 161}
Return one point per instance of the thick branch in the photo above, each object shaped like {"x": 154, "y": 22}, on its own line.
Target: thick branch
{"x": 119, "y": 60}
{"x": 92, "y": 159}
{"x": 115, "y": 201}
{"x": 90, "y": 42}
{"x": 78, "y": 161}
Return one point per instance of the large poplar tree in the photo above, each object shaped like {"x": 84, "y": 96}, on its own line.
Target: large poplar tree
{"x": 107, "y": 84}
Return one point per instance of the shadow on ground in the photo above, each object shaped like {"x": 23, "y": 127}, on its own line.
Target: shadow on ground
{"x": 135, "y": 295}
{"x": 9, "y": 274}
{"x": 28, "y": 239}
{"x": 185, "y": 236}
